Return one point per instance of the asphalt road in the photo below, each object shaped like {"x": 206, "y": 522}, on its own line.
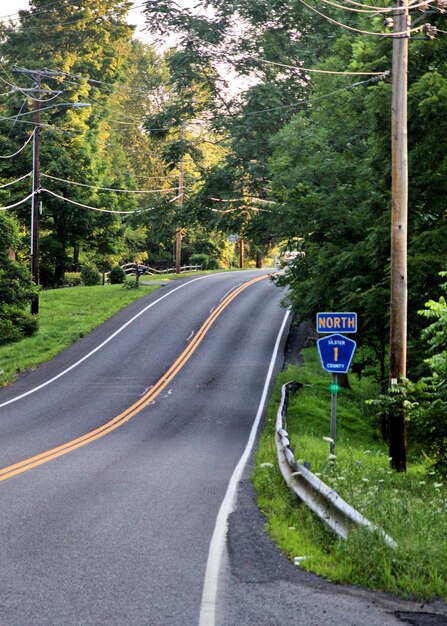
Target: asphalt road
{"x": 118, "y": 455}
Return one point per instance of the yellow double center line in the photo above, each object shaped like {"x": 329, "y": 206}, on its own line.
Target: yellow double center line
{"x": 141, "y": 403}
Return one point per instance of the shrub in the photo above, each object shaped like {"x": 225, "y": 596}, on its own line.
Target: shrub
{"x": 117, "y": 275}
{"x": 8, "y": 331}
{"x": 207, "y": 262}
{"x": 17, "y": 325}
{"x": 27, "y": 323}
{"x": 72, "y": 279}
{"x": 90, "y": 276}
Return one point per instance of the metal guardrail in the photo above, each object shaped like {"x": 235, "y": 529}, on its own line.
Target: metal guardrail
{"x": 132, "y": 268}
{"x": 319, "y": 497}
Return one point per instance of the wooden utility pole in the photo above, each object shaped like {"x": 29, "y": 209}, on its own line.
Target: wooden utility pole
{"x": 35, "y": 200}
{"x": 399, "y": 222}
{"x": 181, "y": 192}
{"x": 241, "y": 253}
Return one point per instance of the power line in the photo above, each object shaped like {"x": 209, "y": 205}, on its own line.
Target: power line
{"x": 315, "y": 98}
{"x": 358, "y": 30}
{"x": 92, "y": 208}
{"x": 25, "y": 92}
{"x": 318, "y": 71}
{"x": 12, "y": 206}
{"x": 375, "y": 10}
{"x": 138, "y": 191}
{"x": 35, "y": 12}
{"x": 15, "y": 181}
{"x": 10, "y": 156}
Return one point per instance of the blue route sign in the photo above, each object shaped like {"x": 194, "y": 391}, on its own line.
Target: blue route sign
{"x": 336, "y": 322}
{"x": 336, "y": 352}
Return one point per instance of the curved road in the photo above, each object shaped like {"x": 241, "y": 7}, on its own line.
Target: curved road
{"x": 120, "y": 462}
{"x": 115, "y": 528}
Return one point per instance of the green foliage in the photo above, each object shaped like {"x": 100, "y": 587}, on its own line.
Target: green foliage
{"x": 89, "y": 39}
{"x": 409, "y": 507}
{"x": 117, "y": 275}
{"x": 90, "y": 276}
{"x": 16, "y": 324}
{"x": 207, "y": 262}
{"x": 65, "y": 315}
{"x": 425, "y": 401}
{"x": 72, "y": 279}
{"x": 16, "y": 288}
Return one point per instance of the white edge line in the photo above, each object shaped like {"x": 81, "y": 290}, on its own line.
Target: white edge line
{"x": 106, "y": 341}
{"x": 209, "y": 593}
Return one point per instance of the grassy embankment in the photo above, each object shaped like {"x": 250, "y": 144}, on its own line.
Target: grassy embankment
{"x": 411, "y": 507}
{"x": 65, "y": 315}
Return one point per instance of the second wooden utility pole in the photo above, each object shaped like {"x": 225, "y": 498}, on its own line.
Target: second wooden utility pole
{"x": 399, "y": 227}
{"x": 35, "y": 200}
{"x": 181, "y": 194}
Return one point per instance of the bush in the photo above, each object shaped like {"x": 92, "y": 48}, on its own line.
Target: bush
{"x": 72, "y": 279}
{"x": 117, "y": 275}
{"x": 8, "y": 332}
{"x": 90, "y": 276}
{"x": 27, "y": 323}
{"x": 17, "y": 325}
{"x": 207, "y": 262}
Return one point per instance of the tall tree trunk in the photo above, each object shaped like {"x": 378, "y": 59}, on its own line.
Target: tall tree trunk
{"x": 76, "y": 251}
{"x": 59, "y": 273}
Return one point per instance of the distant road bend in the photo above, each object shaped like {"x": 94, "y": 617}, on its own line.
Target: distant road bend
{"x": 118, "y": 455}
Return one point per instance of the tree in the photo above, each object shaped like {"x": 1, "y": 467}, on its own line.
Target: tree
{"x": 88, "y": 39}
{"x": 16, "y": 287}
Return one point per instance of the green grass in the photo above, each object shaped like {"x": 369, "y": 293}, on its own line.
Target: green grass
{"x": 411, "y": 507}
{"x": 65, "y": 315}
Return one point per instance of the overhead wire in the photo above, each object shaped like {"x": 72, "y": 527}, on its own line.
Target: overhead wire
{"x": 36, "y": 11}
{"x": 314, "y": 98}
{"x": 317, "y": 71}
{"x": 13, "y": 182}
{"x": 15, "y": 117}
{"x": 137, "y": 191}
{"x": 6, "y": 119}
{"x": 23, "y": 90}
{"x": 375, "y": 10}
{"x": 7, "y": 93}
{"x": 12, "y": 206}
{"x": 411, "y": 5}
{"x": 405, "y": 33}
{"x": 92, "y": 208}
{"x": 10, "y": 156}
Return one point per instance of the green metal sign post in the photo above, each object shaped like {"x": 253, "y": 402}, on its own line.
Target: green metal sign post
{"x": 334, "y": 388}
{"x": 336, "y": 352}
